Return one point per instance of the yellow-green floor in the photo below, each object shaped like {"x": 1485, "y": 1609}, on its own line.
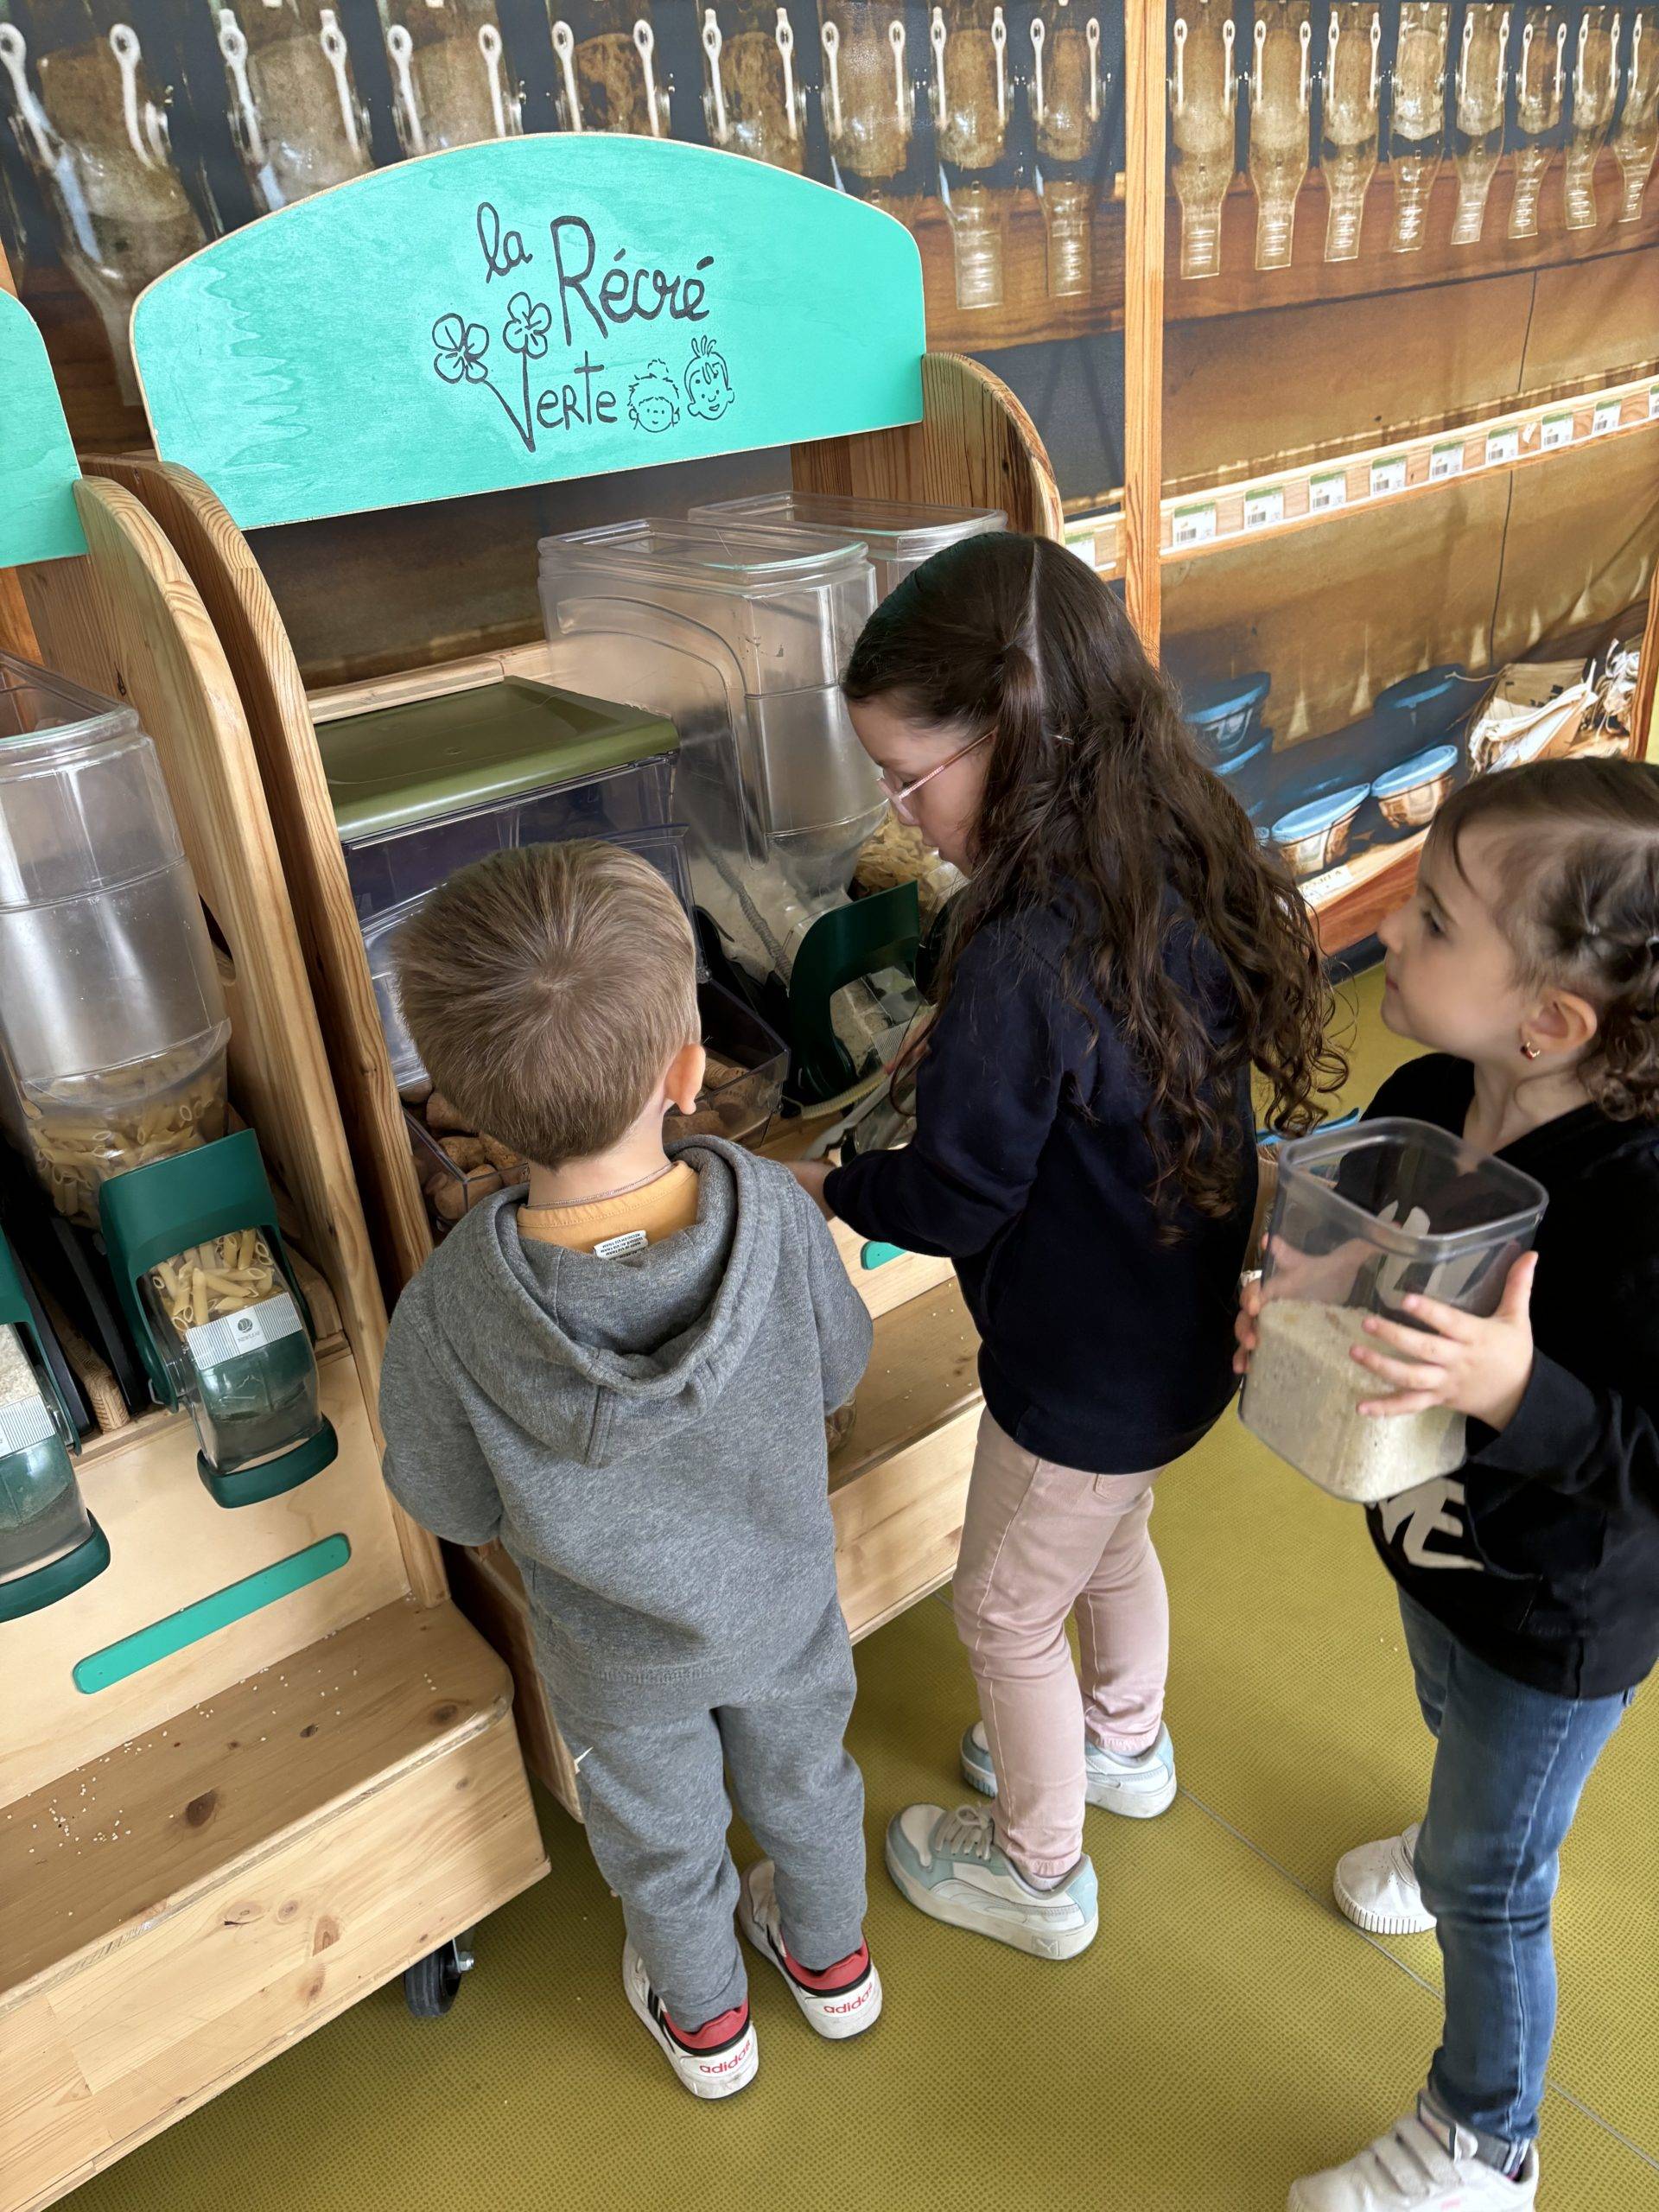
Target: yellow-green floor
{"x": 1226, "y": 2032}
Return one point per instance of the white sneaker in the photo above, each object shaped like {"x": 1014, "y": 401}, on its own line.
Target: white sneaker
{"x": 1376, "y": 1886}
{"x": 839, "y": 2004}
{"x": 1417, "y": 2167}
{"x": 949, "y": 1866}
{"x": 718, "y": 2060}
{"x": 1139, "y": 1787}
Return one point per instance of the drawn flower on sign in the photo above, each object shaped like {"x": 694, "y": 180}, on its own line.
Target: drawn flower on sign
{"x": 460, "y": 349}
{"x": 528, "y": 324}
{"x": 708, "y": 381}
{"x": 654, "y": 399}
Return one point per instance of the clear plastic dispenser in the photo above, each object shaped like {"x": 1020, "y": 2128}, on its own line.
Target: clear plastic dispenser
{"x": 1365, "y": 1217}
{"x": 49, "y": 1544}
{"x": 220, "y": 1317}
{"x": 898, "y": 534}
{"x": 111, "y": 1018}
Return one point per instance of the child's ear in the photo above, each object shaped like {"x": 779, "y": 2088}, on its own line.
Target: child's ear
{"x": 684, "y": 1077}
{"x": 1564, "y": 1023}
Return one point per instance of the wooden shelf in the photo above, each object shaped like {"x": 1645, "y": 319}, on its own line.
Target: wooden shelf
{"x": 1316, "y": 492}
{"x": 175, "y": 1912}
{"x": 1028, "y": 316}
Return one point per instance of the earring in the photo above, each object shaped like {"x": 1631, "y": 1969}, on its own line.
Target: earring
{"x": 1529, "y": 1050}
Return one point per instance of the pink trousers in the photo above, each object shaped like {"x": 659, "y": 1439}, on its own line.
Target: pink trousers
{"x": 1039, "y": 1542}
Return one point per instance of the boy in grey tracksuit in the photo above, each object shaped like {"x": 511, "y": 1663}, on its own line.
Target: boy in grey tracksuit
{"x": 623, "y": 1374}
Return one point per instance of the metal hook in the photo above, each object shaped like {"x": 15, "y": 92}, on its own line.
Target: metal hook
{"x": 400, "y": 46}
{"x": 1000, "y": 43}
{"x": 1039, "y": 33}
{"x": 123, "y": 44}
{"x": 332, "y": 39}
{"x": 785, "y": 37}
{"x": 712, "y": 44}
{"x": 644, "y": 42}
{"x": 564, "y": 47}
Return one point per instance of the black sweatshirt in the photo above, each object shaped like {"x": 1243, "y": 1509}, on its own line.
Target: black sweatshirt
{"x": 1102, "y": 1347}
{"x": 1541, "y": 1553}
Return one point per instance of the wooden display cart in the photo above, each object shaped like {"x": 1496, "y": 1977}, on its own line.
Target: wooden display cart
{"x": 863, "y": 412}
{"x": 261, "y": 1764}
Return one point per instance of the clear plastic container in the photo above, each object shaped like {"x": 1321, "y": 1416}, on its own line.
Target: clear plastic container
{"x": 664, "y": 849}
{"x": 112, "y": 1017}
{"x": 738, "y": 633}
{"x": 420, "y": 790}
{"x": 42, "y": 1516}
{"x": 235, "y": 1343}
{"x": 900, "y": 534}
{"x": 1364, "y": 1217}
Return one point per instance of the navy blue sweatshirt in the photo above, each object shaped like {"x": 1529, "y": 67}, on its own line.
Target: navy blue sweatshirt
{"x": 1541, "y": 1553}
{"x": 1102, "y": 1348}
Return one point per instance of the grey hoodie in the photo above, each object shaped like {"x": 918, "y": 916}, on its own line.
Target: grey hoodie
{"x": 644, "y": 1434}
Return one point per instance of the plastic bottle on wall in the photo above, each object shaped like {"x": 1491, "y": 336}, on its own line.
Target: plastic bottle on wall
{"x": 1281, "y": 122}
{"x": 1350, "y": 130}
{"x": 1417, "y": 130}
{"x": 979, "y": 171}
{"x": 754, "y": 99}
{"x": 1636, "y": 139}
{"x": 1540, "y": 86}
{"x": 1595, "y": 94}
{"x": 294, "y": 114}
{"x": 450, "y": 82}
{"x": 1068, "y": 90}
{"x": 93, "y": 126}
{"x": 1482, "y": 88}
{"x": 1203, "y": 122}
{"x": 869, "y": 102}
{"x": 608, "y": 74}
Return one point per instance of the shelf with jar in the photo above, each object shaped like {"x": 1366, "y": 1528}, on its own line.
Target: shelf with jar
{"x": 1200, "y": 519}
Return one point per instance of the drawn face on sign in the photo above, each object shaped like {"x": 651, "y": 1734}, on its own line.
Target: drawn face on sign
{"x": 575, "y": 326}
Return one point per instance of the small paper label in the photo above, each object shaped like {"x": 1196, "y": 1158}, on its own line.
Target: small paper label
{"x": 1388, "y": 476}
{"x": 214, "y": 1342}
{"x": 1605, "y": 417}
{"x": 23, "y": 1422}
{"x": 1446, "y": 461}
{"x": 1325, "y": 492}
{"x": 1555, "y": 430}
{"x": 611, "y": 1247}
{"x": 1194, "y": 524}
{"x": 1264, "y": 508}
{"x": 1330, "y": 885}
{"x": 1503, "y": 446}
{"x": 1653, "y": 401}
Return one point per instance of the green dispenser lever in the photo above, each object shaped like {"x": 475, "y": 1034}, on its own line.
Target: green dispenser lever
{"x": 49, "y": 1544}
{"x": 221, "y": 1324}
{"x": 881, "y": 931}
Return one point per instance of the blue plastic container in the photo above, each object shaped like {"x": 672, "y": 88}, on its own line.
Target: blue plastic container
{"x": 1224, "y": 716}
{"x": 1412, "y": 794}
{"x": 1425, "y": 707}
{"x": 1314, "y": 838}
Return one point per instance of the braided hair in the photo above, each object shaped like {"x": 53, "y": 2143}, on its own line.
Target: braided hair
{"x": 1096, "y": 795}
{"x": 1578, "y": 860}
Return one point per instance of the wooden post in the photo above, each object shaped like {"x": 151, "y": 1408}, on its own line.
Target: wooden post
{"x": 1645, "y": 724}
{"x": 1144, "y": 191}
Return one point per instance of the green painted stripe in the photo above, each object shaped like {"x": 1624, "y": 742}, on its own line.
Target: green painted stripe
{"x": 101, "y": 1670}
{"x": 877, "y": 1255}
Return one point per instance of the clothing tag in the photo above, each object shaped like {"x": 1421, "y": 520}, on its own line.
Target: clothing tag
{"x": 631, "y": 1240}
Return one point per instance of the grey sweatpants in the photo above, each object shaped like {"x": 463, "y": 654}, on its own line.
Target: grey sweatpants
{"x": 654, "y": 1797}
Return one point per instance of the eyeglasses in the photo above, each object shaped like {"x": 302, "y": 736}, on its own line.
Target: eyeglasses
{"x": 900, "y": 795}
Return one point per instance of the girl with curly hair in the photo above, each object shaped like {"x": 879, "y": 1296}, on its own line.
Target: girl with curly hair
{"x": 1528, "y": 962}
{"x": 1123, "y": 957}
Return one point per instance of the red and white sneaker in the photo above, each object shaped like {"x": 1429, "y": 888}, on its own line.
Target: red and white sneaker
{"x": 842, "y": 2001}
{"x": 715, "y": 2060}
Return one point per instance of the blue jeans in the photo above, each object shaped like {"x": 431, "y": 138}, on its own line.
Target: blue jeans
{"x": 1511, "y": 1767}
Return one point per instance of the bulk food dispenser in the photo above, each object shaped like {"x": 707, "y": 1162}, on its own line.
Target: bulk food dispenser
{"x": 217, "y": 1311}
{"x": 899, "y": 535}
{"x": 1364, "y": 1217}
{"x": 111, "y": 1018}
{"x": 49, "y": 1544}
{"x": 738, "y": 633}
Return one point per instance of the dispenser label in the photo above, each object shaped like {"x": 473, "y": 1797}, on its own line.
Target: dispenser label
{"x": 1388, "y": 476}
{"x": 1325, "y": 492}
{"x": 1555, "y": 431}
{"x": 1193, "y": 525}
{"x": 1446, "y": 461}
{"x": 1264, "y": 508}
{"x": 1503, "y": 446}
{"x": 214, "y": 1342}
{"x": 23, "y": 1422}
{"x": 1605, "y": 417}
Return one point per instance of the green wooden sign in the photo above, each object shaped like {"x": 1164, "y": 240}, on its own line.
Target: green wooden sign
{"x": 38, "y": 469}
{"x": 521, "y": 311}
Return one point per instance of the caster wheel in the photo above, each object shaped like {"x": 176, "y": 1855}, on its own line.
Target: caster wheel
{"x": 431, "y": 1985}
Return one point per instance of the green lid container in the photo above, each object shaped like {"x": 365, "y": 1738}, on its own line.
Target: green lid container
{"x": 420, "y": 790}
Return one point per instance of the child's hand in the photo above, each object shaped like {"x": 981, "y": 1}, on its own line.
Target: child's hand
{"x": 1244, "y": 1328}
{"x": 1480, "y": 1367}
{"x": 812, "y": 1175}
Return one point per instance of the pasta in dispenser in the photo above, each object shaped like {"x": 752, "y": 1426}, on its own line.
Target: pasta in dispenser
{"x": 608, "y": 76}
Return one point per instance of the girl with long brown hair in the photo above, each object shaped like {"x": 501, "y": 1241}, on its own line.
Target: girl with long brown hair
{"x": 1124, "y": 957}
